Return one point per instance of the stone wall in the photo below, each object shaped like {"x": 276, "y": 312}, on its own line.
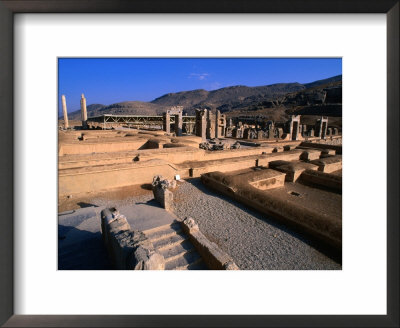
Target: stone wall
{"x": 97, "y": 178}
{"x": 212, "y": 255}
{"x": 329, "y": 164}
{"x": 128, "y": 249}
{"x": 320, "y": 179}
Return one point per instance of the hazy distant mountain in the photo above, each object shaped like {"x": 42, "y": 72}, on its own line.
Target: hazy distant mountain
{"x": 203, "y": 98}
{"x": 122, "y": 108}
{"x": 336, "y": 78}
{"x": 276, "y": 100}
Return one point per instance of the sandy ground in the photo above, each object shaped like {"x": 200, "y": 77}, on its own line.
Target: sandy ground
{"x": 113, "y": 197}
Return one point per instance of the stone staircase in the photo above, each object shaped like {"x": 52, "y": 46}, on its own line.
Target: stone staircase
{"x": 179, "y": 253}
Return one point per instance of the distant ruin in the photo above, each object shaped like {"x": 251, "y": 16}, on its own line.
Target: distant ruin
{"x": 210, "y": 124}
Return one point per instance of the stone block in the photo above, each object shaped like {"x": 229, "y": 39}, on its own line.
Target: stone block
{"x": 310, "y": 155}
{"x": 322, "y": 179}
{"x": 268, "y": 179}
{"x": 145, "y": 258}
{"x": 289, "y": 147}
{"x": 161, "y": 193}
{"x": 212, "y": 255}
{"x": 327, "y": 153}
{"x": 329, "y": 164}
{"x": 295, "y": 169}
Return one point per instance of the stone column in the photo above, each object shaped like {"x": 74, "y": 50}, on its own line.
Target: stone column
{"x": 211, "y": 124}
{"x": 201, "y": 123}
{"x": 217, "y": 119}
{"x": 64, "y": 107}
{"x": 326, "y": 127}
{"x": 279, "y": 132}
{"x": 290, "y": 129}
{"x": 166, "y": 122}
{"x": 83, "y": 112}
{"x": 318, "y": 128}
{"x": 223, "y": 123}
{"x": 304, "y": 130}
{"x": 178, "y": 124}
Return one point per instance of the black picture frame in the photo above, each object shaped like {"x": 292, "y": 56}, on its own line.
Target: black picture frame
{"x": 7, "y": 10}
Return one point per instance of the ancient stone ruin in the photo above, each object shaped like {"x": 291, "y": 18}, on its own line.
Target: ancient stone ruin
{"x": 287, "y": 172}
{"x": 161, "y": 192}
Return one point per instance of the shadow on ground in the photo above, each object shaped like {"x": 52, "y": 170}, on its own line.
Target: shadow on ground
{"x": 151, "y": 202}
{"x": 84, "y": 205}
{"x": 147, "y": 186}
{"x": 81, "y": 250}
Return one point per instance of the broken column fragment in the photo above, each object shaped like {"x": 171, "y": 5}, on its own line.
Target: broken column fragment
{"x": 161, "y": 193}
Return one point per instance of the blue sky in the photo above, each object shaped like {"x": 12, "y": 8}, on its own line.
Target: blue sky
{"x": 111, "y": 80}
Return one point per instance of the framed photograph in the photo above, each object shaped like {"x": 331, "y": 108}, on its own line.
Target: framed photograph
{"x": 169, "y": 88}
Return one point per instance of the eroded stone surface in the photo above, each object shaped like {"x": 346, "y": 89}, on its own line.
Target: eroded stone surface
{"x": 128, "y": 249}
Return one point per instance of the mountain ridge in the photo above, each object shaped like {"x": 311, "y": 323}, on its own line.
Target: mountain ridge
{"x": 277, "y": 100}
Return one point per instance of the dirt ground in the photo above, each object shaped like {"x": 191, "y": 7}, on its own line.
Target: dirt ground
{"x": 121, "y": 195}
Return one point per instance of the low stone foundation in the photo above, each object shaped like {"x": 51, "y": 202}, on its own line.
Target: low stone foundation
{"x": 323, "y": 228}
{"x": 337, "y": 148}
{"x": 128, "y": 249}
{"x": 329, "y": 164}
{"x": 293, "y": 170}
{"x": 211, "y": 254}
{"x": 321, "y": 179}
{"x": 310, "y": 155}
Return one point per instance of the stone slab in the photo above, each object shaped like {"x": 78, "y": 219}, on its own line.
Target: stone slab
{"x": 322, "y": 179}
{"x": 329, "y": 164}
{"x": 293, "y": 170}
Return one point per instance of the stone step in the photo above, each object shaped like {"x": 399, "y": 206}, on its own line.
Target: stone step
{"x": 199, "y": 265}
{"x": 183, "y": 262}
{"x": 152, "y": 231}
{"x": 169, "y": 242}
{"x": 169, "y": 231}
{"x": 159, "y": 228}
{"x": 171, "y": 253}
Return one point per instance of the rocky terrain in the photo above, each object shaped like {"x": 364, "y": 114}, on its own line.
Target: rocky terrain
{"x": 277, "y": 101}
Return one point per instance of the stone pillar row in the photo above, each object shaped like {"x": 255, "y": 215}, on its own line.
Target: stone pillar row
{"x": 83, "y": 111}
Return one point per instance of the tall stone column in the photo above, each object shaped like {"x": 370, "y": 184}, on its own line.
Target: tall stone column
{"x": 178, "y": 123}
{"x": 201, "y": 123}
{"x": 217, "y": 129}
{"x": 83, "y": 112}
{"x": 166, "y": 122}
{"x": 204, "y": 125}
{"x": 64, "y": 107}
{"x": 325, "y": 127}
